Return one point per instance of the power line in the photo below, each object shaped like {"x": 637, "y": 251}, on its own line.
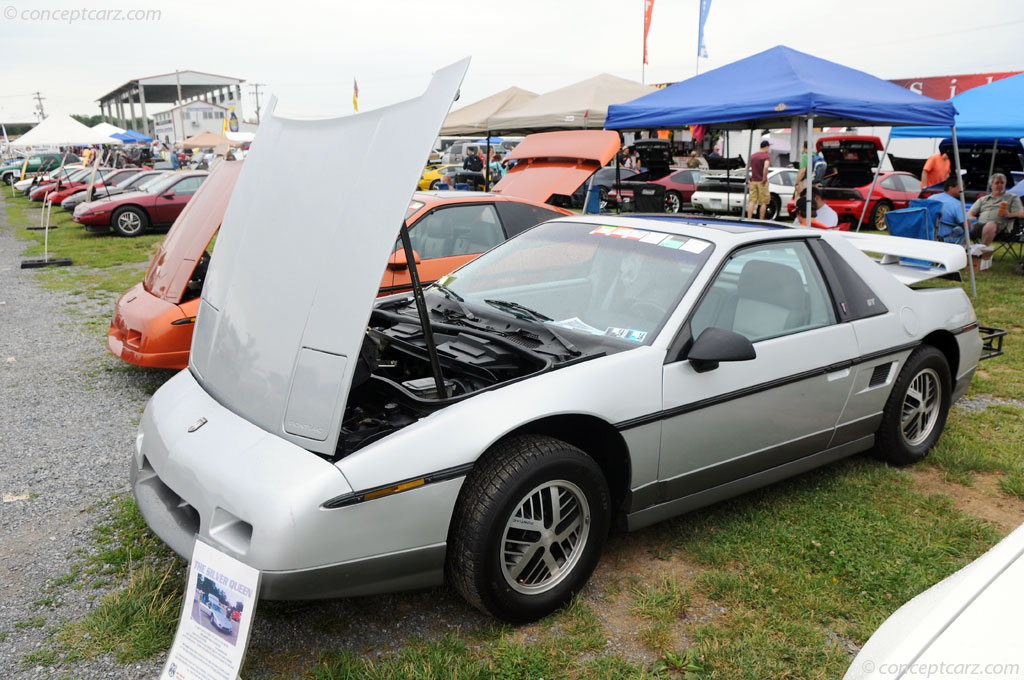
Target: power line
{"x": 39, "y": 106}
{"x": 256, "y": 90}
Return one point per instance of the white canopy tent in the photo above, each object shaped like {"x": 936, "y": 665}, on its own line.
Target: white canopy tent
{"x": 583, "y": 105}
{"x": 108, "y": 130}
{"x": 62, "y": 131}
{"x": 472, "y": 119}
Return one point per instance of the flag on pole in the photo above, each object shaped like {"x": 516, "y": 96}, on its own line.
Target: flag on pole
{"x": 648, "y": 11}
{"x": 705, "y": 7}
{"x": 355, "y": 95}
{"x": 224, "y": 126}
{"x": 7, "y": 142}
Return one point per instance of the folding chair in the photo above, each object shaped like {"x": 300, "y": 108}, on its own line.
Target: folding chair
{"x": 1011, "y": 243}
{"x": 943, "y": 231}
{"x": 911, "y": 223}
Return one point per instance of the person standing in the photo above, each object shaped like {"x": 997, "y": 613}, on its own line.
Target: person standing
{"x": 759, "y": 194}
{"x": 995, "y": 211}
{"x": 936, "y": 169}
{"x": 472, "y": 162}
{"x": 692, "y": 161}
{"x": 951, "y": 219}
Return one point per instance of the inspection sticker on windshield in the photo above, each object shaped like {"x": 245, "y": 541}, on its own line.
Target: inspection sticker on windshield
{"x": 626, "y": 334}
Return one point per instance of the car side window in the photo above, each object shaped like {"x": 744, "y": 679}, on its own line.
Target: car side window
{"x": 458, "y": 230}
{"x": 766, "y": 291}
{"x": 188, "y": 186}
{"x": 910, "y": 183}
{"x": 892, "y": 182}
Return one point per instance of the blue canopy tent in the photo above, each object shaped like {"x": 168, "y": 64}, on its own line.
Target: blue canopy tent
{"x": 124, "y": 137}
{"x": 138, "y": 137}
{"x": 990, "y": 111}
{"x": 770, "y": 88}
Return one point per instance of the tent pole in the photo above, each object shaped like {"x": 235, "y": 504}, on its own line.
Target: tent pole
{"x": 874, "y": 181}
{"x": 746, "y": 185}
{"x": 992, "y": 164}
{"x": 808, "y": 174}
{"x": 618, "y": 183}
{"x": 728, "y": 176}
{"x": 963, "y": 206}
{"x": 487, "y": 164}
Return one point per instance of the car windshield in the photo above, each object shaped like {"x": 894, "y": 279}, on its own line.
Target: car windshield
{"x": 161, "y": 184}
{"x": 617, "y": 282}
{"x": 413, "y": 207}
{"x": 149, "y": 181}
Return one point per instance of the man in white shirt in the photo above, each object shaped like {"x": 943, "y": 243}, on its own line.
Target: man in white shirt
{"x": 823, "y": 214}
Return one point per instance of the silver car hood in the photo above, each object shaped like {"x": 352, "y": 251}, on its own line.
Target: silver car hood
{"x": 287, "y": 299}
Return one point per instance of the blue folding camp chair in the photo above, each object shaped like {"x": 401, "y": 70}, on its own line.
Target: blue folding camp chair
{"x": 911, "y": 223}
{"x": 943, "y": 231}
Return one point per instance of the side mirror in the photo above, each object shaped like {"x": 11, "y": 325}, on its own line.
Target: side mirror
{"x": 168, "y": 195}
{"x": 716, "y": 345}
{"x": 398, "y": 262}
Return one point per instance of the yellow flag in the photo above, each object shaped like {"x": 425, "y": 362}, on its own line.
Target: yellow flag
{"x": 355, "y": 95}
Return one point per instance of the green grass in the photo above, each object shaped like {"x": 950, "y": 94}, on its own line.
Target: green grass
{"x": 785, "y": 580}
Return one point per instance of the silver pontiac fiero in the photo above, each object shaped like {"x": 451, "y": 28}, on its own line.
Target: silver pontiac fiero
{"x": 591, "y": 372}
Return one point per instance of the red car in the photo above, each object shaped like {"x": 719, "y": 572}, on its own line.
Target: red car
{"x": 41, "y": 187}
{"x": 656, "y": 157}
{"x": 131, "y": 214}
{"x": 852, "y": 161}
{"x": 110, "y": 178}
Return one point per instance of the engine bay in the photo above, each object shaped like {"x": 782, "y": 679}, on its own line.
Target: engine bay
{"x": 394, "y": 385}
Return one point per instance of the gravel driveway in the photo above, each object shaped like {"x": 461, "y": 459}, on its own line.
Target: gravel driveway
{"x": 68, "y": 414}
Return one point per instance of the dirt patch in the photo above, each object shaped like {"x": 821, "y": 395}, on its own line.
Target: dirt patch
{"x": 636, "y": 561}
{"x": 984, "y": 500}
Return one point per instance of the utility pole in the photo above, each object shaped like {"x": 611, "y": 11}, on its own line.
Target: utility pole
{"x": 256, "y": 90}
{"x": 39, "y": 106}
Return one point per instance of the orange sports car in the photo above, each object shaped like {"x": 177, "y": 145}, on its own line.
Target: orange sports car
{"x": 153, "y": 321}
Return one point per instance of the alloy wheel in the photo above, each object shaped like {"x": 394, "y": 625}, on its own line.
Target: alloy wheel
{"x": 921, "y": 407}
{"x": 544, "y": 537}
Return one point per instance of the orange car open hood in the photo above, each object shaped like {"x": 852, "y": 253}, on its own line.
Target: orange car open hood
{"x": 550, "y": 163}
{"x": 174, "y": 262}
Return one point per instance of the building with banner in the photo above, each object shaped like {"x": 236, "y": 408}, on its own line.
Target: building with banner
{"x": 198, "y": 116}
{"x": 945, "y": 87}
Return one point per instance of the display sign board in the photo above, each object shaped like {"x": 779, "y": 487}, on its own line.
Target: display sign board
{"x": 946, "y": 87}
{"x": 216, "y": 617}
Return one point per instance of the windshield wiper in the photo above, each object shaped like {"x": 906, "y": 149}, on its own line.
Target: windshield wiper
{"x": 528, "y": 314}
{"x": 516, "y": 309}
{"x": 458, "y": 300}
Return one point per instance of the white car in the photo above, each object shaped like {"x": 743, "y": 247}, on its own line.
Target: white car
{"x": 967, "y": 626}
{"x": 589, "y": 372}
{"x": 719, "y": 194}
{"x": 69, "y": 172}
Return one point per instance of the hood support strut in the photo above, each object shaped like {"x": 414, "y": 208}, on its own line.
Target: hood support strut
{"x": 421, "y": 308}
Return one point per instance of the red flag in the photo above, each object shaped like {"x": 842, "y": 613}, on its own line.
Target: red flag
{"x": 648, "y": 11}
{"x": 698, "y": 132}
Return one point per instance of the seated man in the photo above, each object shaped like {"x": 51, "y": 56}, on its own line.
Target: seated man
{"x": 995, "y": 211}
{"x": 951, "y": 220}
{"x": 821, "y": 212}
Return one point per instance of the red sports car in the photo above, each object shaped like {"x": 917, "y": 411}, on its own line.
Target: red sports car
{"x": 130, "y": 214}
{"x": 110, "y": 178}
{"x": 852, "y": 162}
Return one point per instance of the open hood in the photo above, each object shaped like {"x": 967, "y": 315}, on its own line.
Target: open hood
{"x": 549, "y": 163}
{"x": 174, "y": 262}
{"x": 852, "y": 152}
{"x": 287, "y": 299}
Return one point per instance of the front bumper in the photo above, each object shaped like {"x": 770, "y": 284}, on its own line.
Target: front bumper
{"x": 260, "y": 499}
{"x": 142, "y": 331}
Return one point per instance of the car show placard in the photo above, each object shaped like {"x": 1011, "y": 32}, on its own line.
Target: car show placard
{"x": 216, "y": 616}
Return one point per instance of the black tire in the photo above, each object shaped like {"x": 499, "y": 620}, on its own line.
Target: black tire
{"x": 602, "y": 197}
{"x": 9, "y": 179}
{"x": 433, "y": 185}
{"x": 499, "y": 566}
{"x": 915, "y": 413}
{"x": 771, "y": 211}
{"x": 877, "y": 218}
{"x": 673, "y": 202}
{"x": 129, "y": 221}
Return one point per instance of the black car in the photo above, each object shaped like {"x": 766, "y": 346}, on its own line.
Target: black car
{"x": 976, "y": 161}
{"x": 604, "y": 181}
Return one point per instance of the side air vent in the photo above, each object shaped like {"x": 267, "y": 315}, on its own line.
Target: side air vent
{"x": 879, "y": 375}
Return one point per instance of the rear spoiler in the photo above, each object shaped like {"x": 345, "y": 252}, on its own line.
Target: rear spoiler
{"x": 911, "y": 260}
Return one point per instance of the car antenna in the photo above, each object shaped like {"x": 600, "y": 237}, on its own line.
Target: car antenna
{"x": 421, "y": 307}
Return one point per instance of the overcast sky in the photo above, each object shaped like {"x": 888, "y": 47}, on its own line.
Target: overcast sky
{"x": 307, "y": 53}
